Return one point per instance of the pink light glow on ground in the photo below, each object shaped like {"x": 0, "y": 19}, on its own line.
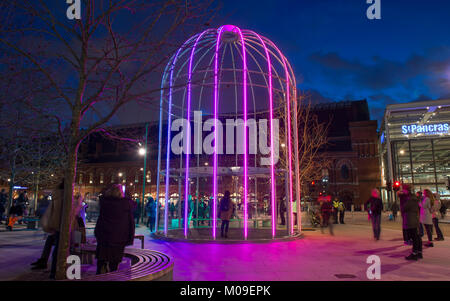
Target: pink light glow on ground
{"x": 315, "y": 257}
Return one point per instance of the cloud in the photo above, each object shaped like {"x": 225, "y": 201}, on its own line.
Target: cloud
{"x": 429, "y": 72}
{"x": 316, "y": 97}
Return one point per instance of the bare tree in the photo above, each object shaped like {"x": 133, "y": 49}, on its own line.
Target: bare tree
{"x": 28, "y": 152}
{"x": 313, "y": 137}
{"x": 96, "y": 65}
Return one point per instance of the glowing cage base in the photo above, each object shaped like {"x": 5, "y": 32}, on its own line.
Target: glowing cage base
{"x": 211, "y": 68}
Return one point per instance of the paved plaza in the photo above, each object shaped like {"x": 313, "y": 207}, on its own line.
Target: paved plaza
{"x": 316, "y": 256}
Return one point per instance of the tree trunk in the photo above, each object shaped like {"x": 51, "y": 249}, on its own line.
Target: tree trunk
{"x": 65, "y": 227}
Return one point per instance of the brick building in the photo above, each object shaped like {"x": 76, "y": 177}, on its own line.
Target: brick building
{"x": 353, "y": 151}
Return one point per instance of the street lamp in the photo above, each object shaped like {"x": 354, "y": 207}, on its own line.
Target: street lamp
{"x": 142, "y": 151}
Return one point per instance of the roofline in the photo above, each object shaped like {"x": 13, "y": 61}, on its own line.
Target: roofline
{"x": 418, "y": 104}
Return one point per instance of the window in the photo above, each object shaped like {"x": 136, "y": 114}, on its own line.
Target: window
{"x": 345, "y": 174}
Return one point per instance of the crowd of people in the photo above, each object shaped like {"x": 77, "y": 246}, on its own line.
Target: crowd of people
{"x": 327, "y": 213}
{"x": 419, "y": 211}
{"x": 420, "y": 214}
{"x": 114, "y": 229}
{"x": 119, "y": 214}
{"x": 19, "y": 208}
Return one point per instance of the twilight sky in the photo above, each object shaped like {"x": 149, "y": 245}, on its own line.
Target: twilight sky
{"x": 339, "y": 54}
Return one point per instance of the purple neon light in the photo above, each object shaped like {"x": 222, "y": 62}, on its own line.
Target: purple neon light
{"x": 188, "y": 138}
{"x": 264, "y": 42}
{"x": 244, "y": 61}
{"x": 216, "y": 100}
{"x": 169, "y": 118}
{"x": 272, "y": 167}
{"x": 288, "y": 100}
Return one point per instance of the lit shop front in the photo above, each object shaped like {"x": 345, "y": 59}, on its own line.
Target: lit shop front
{"x": 415, "y": 146}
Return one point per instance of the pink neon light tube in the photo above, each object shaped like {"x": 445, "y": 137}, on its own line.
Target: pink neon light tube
{"x": 216, "y": 100}
{"x": 244, "y": 59}
{"x": 188, "y": 136}
{"x": 272, "y": 166}
{"x": 169, "y": 118}
{"x": 288, "y": 100}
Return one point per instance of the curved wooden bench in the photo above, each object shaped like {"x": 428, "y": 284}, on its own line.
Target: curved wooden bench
{"x": 146, "y": 265}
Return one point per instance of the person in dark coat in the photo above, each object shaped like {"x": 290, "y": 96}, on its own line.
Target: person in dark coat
{"x": 282, "y": 210}
{"x": 202, "y": 212}
{"x": 210, "y": 211}
{"x": 394, "y": 209}
{"x": 50, "y": 222}
{"x": 114, "y": 229}
{"x": 375, "y": 206}
{"x": 409, "y": 207}
{"x": 150, "y": 209}
{"x": 226, "y": 211}
{"x": 137, "y": 211}
{"x": 326, "y": 209}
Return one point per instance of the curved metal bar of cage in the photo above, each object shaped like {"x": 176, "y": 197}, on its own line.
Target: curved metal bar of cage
{"x": 172, "y": 63}
{"x": 160, "y": 144}
{"x": 188, "y": 136}
{"x": 289, "y": 157}
{"x": 269, "y": 86}
{"x": 285, "y": 63}
{"x": 272, "y": 168}
{"x": 245, "y": 133}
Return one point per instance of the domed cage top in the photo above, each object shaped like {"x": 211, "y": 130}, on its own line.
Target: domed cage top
{"x": 245, "y": 87}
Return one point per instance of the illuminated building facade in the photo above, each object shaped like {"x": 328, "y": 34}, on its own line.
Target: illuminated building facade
{"x": 415, "y": 145}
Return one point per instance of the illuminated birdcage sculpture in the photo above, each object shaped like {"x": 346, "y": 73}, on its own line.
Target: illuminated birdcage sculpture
{"x": 222, "y": 74}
